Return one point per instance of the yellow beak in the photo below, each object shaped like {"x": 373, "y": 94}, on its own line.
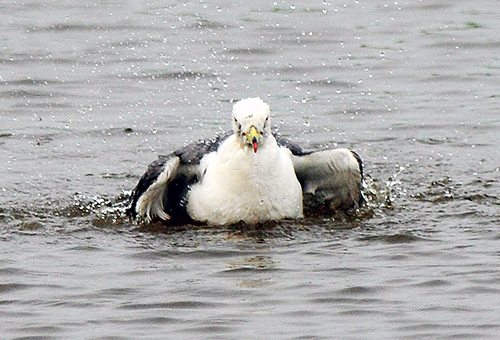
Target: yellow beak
{"x": 252, "y": 137}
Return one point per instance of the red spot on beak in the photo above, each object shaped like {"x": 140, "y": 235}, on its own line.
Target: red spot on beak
{"x": 254, "y": 143}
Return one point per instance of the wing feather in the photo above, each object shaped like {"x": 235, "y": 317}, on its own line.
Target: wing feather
{"x": 330, "y": 179}
{"x": 149, "y": 194}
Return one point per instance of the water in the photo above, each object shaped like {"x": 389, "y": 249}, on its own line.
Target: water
{"x": 91, "y": 92}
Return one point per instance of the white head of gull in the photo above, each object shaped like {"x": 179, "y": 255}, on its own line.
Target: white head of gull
{"x": 251, "y": 122}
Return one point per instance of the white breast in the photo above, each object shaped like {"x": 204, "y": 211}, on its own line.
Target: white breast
{"x": 240, "y": 185}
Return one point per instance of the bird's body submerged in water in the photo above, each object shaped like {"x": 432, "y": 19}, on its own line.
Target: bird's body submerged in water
{"x": 248, "y": 175}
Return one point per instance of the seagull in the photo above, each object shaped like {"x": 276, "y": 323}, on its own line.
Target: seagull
{"x": 247, "y": 175}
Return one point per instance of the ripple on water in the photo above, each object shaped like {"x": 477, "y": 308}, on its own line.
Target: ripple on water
{"x": 191, "y": 304}
{"x": 85, "y": 107}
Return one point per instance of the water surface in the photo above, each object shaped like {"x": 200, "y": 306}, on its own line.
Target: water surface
{"x": 91, "y": 92}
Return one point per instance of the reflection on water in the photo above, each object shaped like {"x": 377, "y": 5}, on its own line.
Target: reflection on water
{"x": 92, "y": 91}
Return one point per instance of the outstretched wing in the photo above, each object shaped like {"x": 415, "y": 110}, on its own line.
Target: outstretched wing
{"x": 149, "y": 194}
{"x": 330, "y": 179}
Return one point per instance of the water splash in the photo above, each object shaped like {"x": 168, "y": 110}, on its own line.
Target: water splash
{"x": 83, "y": 212}
{"x": 104, "y": 211}
{"x": 380, "y": 196}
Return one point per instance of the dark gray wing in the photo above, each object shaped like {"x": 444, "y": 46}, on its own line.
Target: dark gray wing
{"x": 330, "y": 179}
{"x": 149, "y": 194}
{"x": 194, "y": 152}
{"x": 294, "y": 148}
{"x": 161, "y": 191}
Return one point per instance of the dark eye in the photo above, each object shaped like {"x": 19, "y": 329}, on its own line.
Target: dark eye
{"x": 238, "y": 124}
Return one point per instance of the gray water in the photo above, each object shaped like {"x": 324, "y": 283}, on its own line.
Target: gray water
{"x": 91, "y": 92}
